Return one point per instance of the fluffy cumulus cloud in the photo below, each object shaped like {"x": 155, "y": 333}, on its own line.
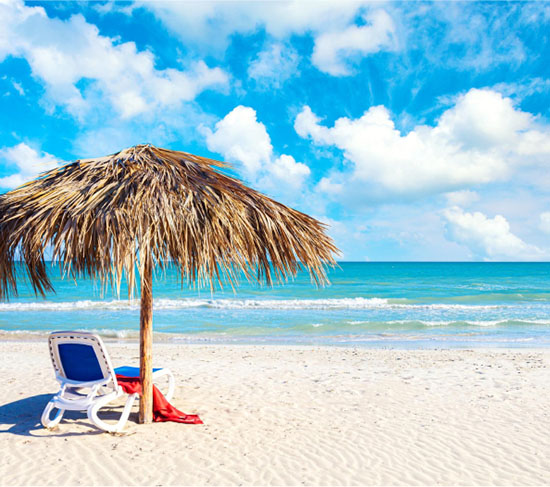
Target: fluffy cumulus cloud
{"x": 334, "y": 49}
{"x": 332, "y": 24}
{"x": 488, "y": 238}
{"x": 240, "y": 138}
{"x": 483, "y": 138}
{"x": 26, "y": 162}
{"x": 77, "y": 64}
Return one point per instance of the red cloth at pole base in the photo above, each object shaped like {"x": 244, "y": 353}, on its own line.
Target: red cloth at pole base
{"x": 162, "y": 409}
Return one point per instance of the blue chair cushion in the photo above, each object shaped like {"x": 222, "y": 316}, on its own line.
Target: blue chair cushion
{"x": 129, "y": 371}
{"x": 80, "y": 362}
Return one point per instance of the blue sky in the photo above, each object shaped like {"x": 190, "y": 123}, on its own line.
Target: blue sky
{"x": 417, "y": 131}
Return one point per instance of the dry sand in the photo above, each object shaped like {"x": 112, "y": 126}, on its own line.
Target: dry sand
{"x": 295, "y": 416}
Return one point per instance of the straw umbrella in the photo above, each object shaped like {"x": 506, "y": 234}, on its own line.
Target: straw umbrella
{"x": 147, "y": 206}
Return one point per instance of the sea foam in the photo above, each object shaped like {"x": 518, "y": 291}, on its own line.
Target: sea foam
{"x": 249, "y": 304}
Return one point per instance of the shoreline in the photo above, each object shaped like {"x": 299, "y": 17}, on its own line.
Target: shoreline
{"x": 281, "y": 415}
{"x": 177, "y": 339}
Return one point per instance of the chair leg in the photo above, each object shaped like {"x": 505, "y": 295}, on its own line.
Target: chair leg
{"x": 119, "y": 425}
{"x": 171, "y": 386}
{"x": 45, "y": 419}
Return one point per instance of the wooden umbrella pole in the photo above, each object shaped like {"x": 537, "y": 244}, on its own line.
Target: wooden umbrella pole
{"x": 146, "y": 343}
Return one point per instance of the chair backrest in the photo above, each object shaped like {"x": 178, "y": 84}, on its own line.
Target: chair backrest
{"x": 80, "y": 356}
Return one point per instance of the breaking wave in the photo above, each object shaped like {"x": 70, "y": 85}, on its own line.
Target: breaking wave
{"x": 249, "y": 304}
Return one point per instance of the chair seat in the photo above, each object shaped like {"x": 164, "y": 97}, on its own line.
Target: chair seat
{"x": 134, "y": 371}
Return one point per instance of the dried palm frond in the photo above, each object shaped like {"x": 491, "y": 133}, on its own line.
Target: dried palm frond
{"x": 100, "y": 215}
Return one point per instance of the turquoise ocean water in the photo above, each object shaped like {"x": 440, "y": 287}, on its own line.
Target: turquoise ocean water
{"x": 383, "y": 305}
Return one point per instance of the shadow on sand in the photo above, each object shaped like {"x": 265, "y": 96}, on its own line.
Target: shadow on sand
{"x": 22, "y": 417}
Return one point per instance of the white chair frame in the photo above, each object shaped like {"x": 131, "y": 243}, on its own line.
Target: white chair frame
{"x": 102, "y": 391}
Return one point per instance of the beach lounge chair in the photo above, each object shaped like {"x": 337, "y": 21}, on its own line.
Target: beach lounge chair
{"x": 88, "y": 380}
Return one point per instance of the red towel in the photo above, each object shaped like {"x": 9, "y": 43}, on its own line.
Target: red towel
{"x": 162, "y": 409}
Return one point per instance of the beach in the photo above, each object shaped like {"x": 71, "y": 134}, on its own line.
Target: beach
{"x": 294, "y": 415}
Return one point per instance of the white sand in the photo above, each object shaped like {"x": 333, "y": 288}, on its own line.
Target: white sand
{"x": 293, "y": 416}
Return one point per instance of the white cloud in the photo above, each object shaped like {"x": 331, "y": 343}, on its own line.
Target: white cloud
{"x": 524, "y": 88}
{"x": 27, "y": 161}
{"x": 482, "y": 139}
{"x": 488, "y": 238}
{"x": 332, "y": 49}
{"x": 242, "y": 139}
{"x": 18, "y": 87}
{"x": 210, "y": 25}
{"x": 328, "y": 186}
{"x": 483, "y": 120}
{"x": 76, "y": 64}
{"x": 285, "y": 169}
{"x": 274, "y": 65}
{"x": 544, "y": 222}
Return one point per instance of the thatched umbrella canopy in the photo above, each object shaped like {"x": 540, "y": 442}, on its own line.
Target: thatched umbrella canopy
{"x": 147, "y": 206}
